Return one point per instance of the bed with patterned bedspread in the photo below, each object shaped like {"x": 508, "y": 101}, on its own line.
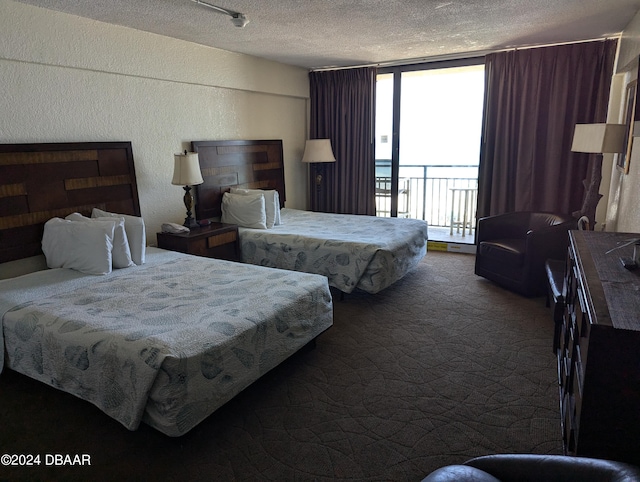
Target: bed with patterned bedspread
{"x": 368, "y": 253}
{"x": 166, "y": 343}
{"x": 364, "y": 252}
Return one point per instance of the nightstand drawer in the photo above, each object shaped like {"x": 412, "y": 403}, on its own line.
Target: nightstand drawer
{"x": 220, "y": 239}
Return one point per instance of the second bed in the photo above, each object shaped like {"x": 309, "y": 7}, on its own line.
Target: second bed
{"x": 354, "y": 252}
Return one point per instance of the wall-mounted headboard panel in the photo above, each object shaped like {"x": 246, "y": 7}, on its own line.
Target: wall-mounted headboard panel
{"x": 227, "y": 164}
{"x": 42, "y": 181}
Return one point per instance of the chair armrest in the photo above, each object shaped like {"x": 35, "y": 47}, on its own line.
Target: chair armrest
{"x": 528, "y": 467}
{"x": 550, "y": 242}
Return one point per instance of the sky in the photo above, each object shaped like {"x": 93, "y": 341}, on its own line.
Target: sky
{"x": 440, "y": 116}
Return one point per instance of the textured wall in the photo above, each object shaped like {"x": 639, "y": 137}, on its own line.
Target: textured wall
{"x": 65, "y": 78}
{"x": 623, "y": 209}
{"x": 628, "y": 208}
{"x": 629, "y": 46}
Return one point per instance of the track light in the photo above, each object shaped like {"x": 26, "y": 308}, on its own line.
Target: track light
{"x": 238, "y": 19}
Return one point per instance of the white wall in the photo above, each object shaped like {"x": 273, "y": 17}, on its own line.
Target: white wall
{"x": 68, "y": 79}
{"x": 623, "y": 207}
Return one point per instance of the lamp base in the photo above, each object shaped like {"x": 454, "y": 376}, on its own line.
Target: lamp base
{"x": 591, "y": 194}
{"x": 190, "y": 222}
{"x": 629, "y": 264}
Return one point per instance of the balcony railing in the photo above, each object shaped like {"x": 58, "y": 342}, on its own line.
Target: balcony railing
{"x": 434, "y": 193}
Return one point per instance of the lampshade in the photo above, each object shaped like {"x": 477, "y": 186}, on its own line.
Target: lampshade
{"x": 318, "y": 150}
{"x": 599, "y": 138}
{"x": 186, "y": 170}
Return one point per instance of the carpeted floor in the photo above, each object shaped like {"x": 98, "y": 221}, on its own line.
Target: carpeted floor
{"x": 438, "y": 368}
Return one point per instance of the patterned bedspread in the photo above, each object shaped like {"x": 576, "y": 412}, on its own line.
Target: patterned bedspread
{"x": 168, "y": 342}
{"x": 364, "y": 252}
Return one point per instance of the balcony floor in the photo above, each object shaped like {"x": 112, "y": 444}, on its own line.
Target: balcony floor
{"x": 441, "y": 240}
{"x": 441, "y": 233}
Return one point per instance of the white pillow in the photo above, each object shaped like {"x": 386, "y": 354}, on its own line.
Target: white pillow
{"x": 244, "y": 210}
{"x": 121, "y": 253}
{"x": 271, "y": 203}
{"x": 85, "y": 247}
{"x": 276, "y": 200}
{"x": 136, "y": 235}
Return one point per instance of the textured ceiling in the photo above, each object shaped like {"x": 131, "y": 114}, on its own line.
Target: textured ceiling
{"x": 339, "y": 33}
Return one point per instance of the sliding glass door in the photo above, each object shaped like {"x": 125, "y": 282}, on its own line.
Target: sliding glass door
{"x": 428, "y": 127}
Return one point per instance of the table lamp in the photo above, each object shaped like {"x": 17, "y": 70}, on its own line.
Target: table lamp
{"x": 186, "y": 172}
{"x": 318, "y": 151}
{"x": 598, "y": 139}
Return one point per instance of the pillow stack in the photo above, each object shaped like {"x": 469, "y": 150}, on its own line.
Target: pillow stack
{"x": 136, "y": 235}
{"x": 251, "y": 208}
{"x": 94, "y": 245}
{"x": 121, "y": 253}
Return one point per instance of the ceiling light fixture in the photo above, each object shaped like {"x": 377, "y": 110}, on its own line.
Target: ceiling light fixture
{"x": 238, "y": 19}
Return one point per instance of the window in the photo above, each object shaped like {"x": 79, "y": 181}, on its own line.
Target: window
{"x": 428, "y": 129}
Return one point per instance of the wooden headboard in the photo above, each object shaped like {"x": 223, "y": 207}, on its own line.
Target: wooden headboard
{"x": 42, "y": 181}
{"x": 245, "y": 164}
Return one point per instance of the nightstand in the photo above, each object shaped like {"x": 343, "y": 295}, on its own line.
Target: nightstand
{"x": 216, "y": 240}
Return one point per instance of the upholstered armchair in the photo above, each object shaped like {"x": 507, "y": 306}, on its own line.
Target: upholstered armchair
{"x": 512, "y": 248}
{"x": 535, "y": 468}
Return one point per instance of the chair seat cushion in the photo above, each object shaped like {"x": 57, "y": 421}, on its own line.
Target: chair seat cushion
{"x": 509, "y": 251}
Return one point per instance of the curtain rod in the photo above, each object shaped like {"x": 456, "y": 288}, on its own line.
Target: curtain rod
{"x": 458, "y": 56}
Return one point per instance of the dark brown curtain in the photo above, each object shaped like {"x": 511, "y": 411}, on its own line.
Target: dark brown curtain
{"x": 343, "y": 110}
{"x": 533, "y": 99}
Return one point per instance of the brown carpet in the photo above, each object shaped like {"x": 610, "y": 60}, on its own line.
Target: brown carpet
{"x": 438, "y": 368}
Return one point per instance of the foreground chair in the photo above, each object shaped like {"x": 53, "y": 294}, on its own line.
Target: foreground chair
{"x": 513, "y": 247}
{"x": 538, "y": 468}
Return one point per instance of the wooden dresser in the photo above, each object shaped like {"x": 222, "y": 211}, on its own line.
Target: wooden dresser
{"x": 599, "y": 352}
